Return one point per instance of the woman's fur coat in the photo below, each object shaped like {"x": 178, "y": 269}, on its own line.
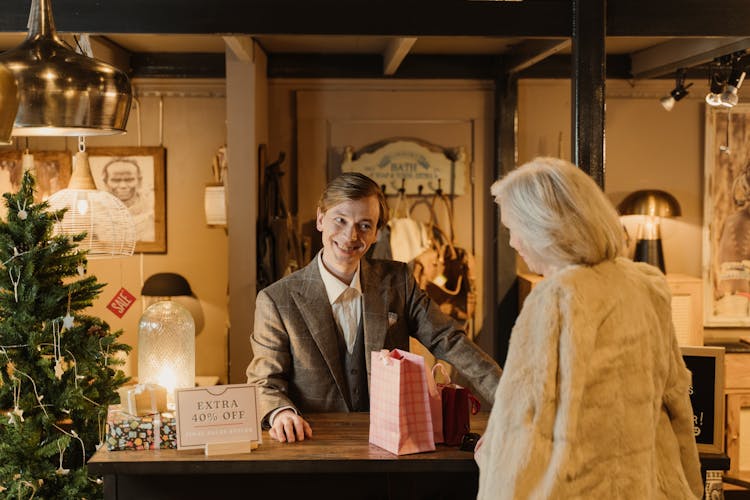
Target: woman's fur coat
{"x": 593, "y": 401}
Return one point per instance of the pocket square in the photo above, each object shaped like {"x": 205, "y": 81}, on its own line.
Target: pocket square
{"x": 392, "y": 318}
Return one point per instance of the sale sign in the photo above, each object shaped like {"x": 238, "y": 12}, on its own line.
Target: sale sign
{"x": 121, "y": 302}
{"x": 218, "y": 414}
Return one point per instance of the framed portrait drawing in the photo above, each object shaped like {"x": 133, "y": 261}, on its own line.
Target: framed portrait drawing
{"x": 51, "y": 171}
{"x": 726, "y": 218}
{"x": 137, "y": 176}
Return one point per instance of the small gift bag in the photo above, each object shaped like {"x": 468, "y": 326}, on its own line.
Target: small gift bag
{"x": 458, "y": 404}
{"x": 400, "y": 416}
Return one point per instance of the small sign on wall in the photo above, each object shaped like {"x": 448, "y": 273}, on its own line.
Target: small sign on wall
{"x": 220, "y": 415}
{"x": 412, "y": 166}
{"x": 706, "y": 365}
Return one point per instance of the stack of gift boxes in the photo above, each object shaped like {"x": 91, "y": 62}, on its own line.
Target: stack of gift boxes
{"x": 141, "y": 421}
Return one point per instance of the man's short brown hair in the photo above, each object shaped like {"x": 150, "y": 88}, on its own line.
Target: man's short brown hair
{"x": 353, "y": 186}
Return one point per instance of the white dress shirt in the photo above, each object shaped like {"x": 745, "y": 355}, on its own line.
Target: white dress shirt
{"x": 345, "y": 300}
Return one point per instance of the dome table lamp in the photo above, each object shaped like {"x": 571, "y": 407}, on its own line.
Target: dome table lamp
{"x": 166, "y": 336}
{"x": 652, "y": 205}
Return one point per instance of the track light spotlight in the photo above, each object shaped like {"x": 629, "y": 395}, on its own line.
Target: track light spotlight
{"x": 729, "y": 97}
{"x": 717, "y": 77}
{"x": 679, "y": 91}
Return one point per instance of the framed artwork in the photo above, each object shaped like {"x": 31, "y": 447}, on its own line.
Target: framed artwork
{"x": 51, "y": 170}
{"x": 726, "y": 220}
{"x": 137, "y": 176}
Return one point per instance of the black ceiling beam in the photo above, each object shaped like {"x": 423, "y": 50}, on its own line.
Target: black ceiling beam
{"x": 371, "y": 66}
{"x": 558, "y": 66}
{"x": 177, "y": 65}
{"x": 324, "y": 17}
{"x": 699, "y": 18}
{"x": 201, "y": 65}
{"x": 528, "y": 18}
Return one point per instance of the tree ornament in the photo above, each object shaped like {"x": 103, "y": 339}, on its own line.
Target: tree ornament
{"x": 60, "y": 471}
{"x": 22, "y": 214}
{"x": 15, "y": 280}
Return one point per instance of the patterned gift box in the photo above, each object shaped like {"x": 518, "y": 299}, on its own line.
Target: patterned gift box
{"x": 148, "y": 432}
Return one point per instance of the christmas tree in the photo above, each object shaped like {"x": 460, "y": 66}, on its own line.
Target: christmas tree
{"x": 58, "y": 367}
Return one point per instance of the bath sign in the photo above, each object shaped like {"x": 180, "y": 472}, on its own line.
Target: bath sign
{"x": 217, "y": 415}
{"x": 410, "y": 164}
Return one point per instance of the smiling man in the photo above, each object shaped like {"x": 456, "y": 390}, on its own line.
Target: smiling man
{"x": 315, "y": 329}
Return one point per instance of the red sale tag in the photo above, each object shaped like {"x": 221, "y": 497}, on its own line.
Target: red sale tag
{"x": 121, "y": 302}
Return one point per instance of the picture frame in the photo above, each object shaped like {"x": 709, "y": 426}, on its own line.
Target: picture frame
{"x": 726, "y": 220}
{"x": 52, "y": 170}
{"x": 137, "y": 176}
{"x": 706, "y": 366}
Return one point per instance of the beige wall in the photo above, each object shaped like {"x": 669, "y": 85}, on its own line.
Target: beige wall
{"x": 646, "y": 148}
{"x": 193, "y": 130}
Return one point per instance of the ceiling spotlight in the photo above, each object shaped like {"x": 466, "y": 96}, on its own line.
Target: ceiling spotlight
{"x": 717, "y": 77}
{"x": 729, "y": 97}
{"x": 679, "y": 91}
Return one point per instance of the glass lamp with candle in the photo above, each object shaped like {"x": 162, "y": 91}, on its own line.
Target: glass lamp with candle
{"x": 166, "y": 336}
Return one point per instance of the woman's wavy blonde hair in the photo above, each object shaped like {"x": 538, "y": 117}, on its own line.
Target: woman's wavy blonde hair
{"x": 563, "y": 214}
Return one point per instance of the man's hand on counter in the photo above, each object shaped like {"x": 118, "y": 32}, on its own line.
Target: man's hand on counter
{"x": 289, "y": 427}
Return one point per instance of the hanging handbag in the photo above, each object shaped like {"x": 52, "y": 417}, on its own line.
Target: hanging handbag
{"x": 446, "y": 272}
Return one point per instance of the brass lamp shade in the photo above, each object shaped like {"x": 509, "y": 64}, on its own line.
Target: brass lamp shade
{"x": 61, "y": 92}
{"x": 8, "y": 103}
{"x": 652, "y": 202}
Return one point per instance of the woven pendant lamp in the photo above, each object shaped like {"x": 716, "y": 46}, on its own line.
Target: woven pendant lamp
{"x": 109, "y": 227}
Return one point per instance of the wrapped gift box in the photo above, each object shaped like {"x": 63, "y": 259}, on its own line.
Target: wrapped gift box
{"x": 143, "y": 399}
{"x": 147, "y": 432}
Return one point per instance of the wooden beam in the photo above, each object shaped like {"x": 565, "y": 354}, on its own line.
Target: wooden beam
{"x": 177, "y": 65}
{"x": 371, "y": 66}
{"x": 107, "y": 50}
{"x": 502, "y": 295}
{"x": 242, "y": 47}
{"x": 288, "y": 17}
{"x": 537, "y": 18}
{"x": 667, "y": 57}
{"x": 533, "y": 51}
{"x": 587, "y": 87}
{"x": 395, "y": 53}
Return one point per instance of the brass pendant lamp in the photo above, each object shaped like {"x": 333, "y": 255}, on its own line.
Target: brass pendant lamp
{"x": 61, "y": 92}
{"x": 8, "y": 104}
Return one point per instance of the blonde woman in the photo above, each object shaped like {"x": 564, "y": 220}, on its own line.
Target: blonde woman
{"x": 593, "y": 401}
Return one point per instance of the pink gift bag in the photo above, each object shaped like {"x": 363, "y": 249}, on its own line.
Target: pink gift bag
{"x": 400, "y": 415}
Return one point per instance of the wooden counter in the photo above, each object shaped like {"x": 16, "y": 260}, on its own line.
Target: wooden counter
{"x": 338, "y": 460}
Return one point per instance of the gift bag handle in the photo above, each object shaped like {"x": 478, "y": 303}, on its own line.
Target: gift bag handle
{"x": 445, "y": 374}
{"x": 475, "y": 404}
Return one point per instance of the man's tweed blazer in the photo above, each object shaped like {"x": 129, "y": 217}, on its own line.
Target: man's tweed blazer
{"x": 296, "y": 357}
